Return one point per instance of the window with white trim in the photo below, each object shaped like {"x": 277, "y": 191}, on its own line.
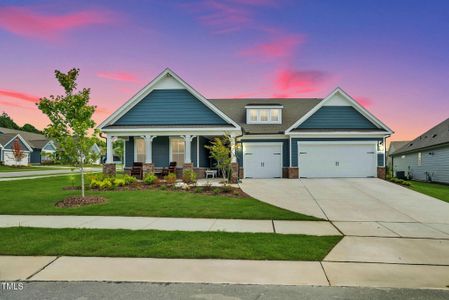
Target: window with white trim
{"x": 419, "y": 159}
{"x": 264, "y": 115}
{"x": 139, "y": 145}
{"x": 177, "y": 151}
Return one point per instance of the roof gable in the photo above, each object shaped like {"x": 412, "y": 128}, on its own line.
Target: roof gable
{"x": 170, "y": 107}
{"x": 339, "y": 102}
{"x": 337, "y": 117}
{"x": 159, "y": 89}
{"x": 8, "y": 141}
{"x": 436, "y": 136}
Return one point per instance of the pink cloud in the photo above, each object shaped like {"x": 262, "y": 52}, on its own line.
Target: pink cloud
{"x": 119, "y": 76}
{"x": 292, "y": 82}
{"x": 19, "y": 95}
{"x": 11, "y": 104}
{"x": 220, "y": 16}
{"x": 281, "y": 47}
{"x": 364, "y": 101}
{"x": 30, "y": 23}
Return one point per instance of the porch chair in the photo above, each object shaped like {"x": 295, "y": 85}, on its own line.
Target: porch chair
{"x": 137, "y": 170}
{"x": 171, "y": 168}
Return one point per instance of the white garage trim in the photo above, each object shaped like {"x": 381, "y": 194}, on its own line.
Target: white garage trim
{"x": 258, "y": 144}
{"x": 342, "y": 143}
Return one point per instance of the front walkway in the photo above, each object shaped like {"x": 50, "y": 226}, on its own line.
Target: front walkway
{"x": 51, "y": 268}
{"x": 182, "y": 224}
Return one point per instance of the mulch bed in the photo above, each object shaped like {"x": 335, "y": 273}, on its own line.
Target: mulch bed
{"x": 77, "y": 201}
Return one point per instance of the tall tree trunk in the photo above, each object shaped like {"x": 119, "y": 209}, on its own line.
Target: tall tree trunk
{"x": 82, "y": 178}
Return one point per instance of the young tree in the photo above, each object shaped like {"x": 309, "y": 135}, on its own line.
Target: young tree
{"x": 17, "y": 151}
{"x": 220, "y": 151}
{"x": 71, "y": 121}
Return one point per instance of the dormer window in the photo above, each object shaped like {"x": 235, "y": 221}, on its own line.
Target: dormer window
{"x": 263, "y": 114}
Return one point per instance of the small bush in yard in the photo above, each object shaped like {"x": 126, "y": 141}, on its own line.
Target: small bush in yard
{"x": 150, "y": 179}
{"x": 216, "y": 191}
{"x": 189, "y": 177}
{"x": 400, "y": 181}
{"x": 163, "y": 188}
{"x": 170, "y": 178}
{"x": 119, "y": 182}
{"x": 227, "y": 188}
{"x": 207, "y": 187}
{"x": 129, "y": 179}
{"x": 106, "y": 184}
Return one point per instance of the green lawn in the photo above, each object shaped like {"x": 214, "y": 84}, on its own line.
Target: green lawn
{"x": 164, "y": 244}
{"x": 437, "y": 190}
{"x": 38, "y": 196}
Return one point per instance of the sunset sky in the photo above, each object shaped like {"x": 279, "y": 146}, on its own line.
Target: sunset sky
{"x": 391, "y": 55}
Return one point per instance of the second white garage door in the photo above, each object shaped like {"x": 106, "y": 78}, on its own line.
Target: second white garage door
{"x": 339, "y": 159}
{"x": 262, "y": 160}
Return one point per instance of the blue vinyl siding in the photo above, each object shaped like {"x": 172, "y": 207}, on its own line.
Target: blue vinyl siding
{"x": 22, "y": 145}
{"x": 337, "y": 117}
{"x": 129, "y": 152}
{"x": 161, "y": 151}
{"x": 285, "y": 150}
{"x": 434, "y": 162}
{"x": 204, "y": 153}
{"x": 170, "y": 107}
{"x": 35, "y": 156}
{"x": 380, "y": 159}
{"x": 296, "y": 140}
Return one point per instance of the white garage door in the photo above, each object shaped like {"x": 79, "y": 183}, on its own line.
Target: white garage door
{"x": 262, "y": 160}
{"x": 10, "y": 160}
{"x": 337, "y": 159}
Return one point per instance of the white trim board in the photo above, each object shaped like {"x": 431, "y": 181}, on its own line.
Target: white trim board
{"x": 352, "y": 103}
{"x": 153, "y": 85}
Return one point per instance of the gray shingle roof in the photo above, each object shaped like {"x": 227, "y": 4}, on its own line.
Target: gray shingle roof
{"x": 438, "y": 135}
{"x": 395, "y": 146}
{"x": 35, "y": 140}
{"x": 294, "y": 109}
{"x": 5, "y": 138}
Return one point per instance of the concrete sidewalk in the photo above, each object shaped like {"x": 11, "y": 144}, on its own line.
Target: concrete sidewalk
{"x": 222, "y": 271}
{"x": 10, "y": 176}
{"x": 182, "y": 224}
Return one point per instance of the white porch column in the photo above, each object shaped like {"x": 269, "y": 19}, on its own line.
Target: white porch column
{"x": 148, "y": 148}
{"x": 233, "y": 156}
{"x": 188, "y": 148}
{"x": 109, "y": 154}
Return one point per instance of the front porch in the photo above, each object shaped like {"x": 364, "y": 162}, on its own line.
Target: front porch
{"x": 156, "y": 152}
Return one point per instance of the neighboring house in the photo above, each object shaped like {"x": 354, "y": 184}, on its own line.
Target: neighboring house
{"x": 426, "y": 157}
{"x": 42, "y": 146}
{"x": 394, "y": 146}
{"x": 7, "y": 156}
{"x": 169, "y": 121}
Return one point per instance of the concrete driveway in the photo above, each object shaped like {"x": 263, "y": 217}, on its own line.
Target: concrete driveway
{"x": 358, "y": 206}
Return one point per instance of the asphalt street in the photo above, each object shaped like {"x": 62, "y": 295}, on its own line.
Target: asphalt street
{"x": 106, "y": 290}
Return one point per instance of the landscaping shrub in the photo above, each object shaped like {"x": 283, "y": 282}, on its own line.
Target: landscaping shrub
{"x": 119, "y": 182}
{"x": 216, "y": 191}
{"x": 197, "y": 190}
{"x": 207, "y": 187}
{"x": 400, "y": 181}
{"x": 227, "y": 188}
{"x": 189, "y": 176}
{"x": 163, "y": 188}
{"x": 129, "y": 179}
{"x": 170, "y": 178}
{"x": 150, "y": 179}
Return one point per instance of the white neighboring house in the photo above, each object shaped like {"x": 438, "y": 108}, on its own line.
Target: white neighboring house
{"x": 7, "y": 153}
